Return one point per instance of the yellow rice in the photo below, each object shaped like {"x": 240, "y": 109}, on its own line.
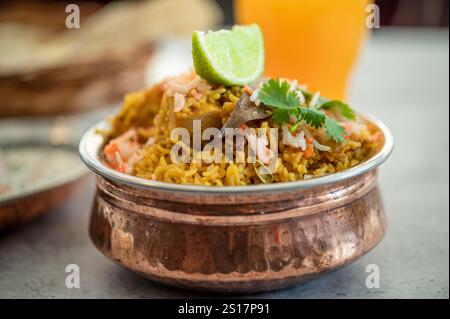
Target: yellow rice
{"x": 153, "y": 109}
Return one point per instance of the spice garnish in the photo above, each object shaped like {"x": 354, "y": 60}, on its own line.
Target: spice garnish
{"x": 278, "y": 96}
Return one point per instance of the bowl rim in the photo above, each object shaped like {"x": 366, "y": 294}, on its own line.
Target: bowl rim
{"x": 92, "y": 141}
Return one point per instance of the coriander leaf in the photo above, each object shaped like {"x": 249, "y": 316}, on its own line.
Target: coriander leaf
{"x": 276, "y": 93}
{"x": 280, "y": 116}
{"x": 308, "y": 96}
{"x": 345, "y": 110}
{"x": 313, "y": 117}
{"x": 327, "y": 104}
{"x": 334, "y": 130}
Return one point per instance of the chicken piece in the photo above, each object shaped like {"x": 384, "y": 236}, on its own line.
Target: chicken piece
{"x": 138, "y": 110}
{"x": 209, "y": 114}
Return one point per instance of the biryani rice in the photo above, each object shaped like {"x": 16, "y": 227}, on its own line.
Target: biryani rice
{"x": 151, "y": 113}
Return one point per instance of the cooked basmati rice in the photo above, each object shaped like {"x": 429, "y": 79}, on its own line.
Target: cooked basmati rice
{"x": 151, "y": 113}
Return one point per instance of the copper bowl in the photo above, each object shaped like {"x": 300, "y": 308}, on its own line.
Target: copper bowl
{"x": 236, "y": 239}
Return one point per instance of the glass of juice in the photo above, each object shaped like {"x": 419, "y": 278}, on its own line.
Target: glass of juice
{"x": 313, "y": 41}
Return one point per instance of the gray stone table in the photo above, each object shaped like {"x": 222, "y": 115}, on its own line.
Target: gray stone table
{"x": 401, "y": 78}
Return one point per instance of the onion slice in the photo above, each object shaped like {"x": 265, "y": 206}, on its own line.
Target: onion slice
{"x": 320, "y": 147}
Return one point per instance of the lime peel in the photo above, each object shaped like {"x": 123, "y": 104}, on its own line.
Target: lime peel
{"x": 229, "y": 57}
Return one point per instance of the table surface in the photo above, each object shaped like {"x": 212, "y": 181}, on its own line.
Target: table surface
{"x": 402, "y": 78}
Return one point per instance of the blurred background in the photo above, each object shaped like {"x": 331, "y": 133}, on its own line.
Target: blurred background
{"x": 56, "y": 80}
{"x": 47, "y": 68}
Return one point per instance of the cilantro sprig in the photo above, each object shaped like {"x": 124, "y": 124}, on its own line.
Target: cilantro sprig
{"x": 333, "y": 105}
{"x": 283, "y": 102}
{"x": 277, "y": 94}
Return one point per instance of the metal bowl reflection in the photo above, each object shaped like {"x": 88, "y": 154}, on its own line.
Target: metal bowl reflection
{"x": 236, "y": 239}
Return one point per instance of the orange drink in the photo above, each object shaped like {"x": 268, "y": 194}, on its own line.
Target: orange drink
{"x": 313, "y": 41}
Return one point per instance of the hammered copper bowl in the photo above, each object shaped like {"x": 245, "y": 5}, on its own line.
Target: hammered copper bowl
{"x": 236, "y": 239}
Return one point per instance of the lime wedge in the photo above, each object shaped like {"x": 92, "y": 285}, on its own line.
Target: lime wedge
{"x": 230, "y": 57}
